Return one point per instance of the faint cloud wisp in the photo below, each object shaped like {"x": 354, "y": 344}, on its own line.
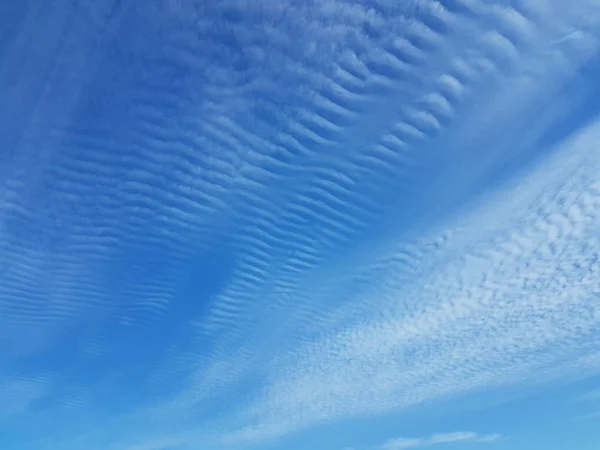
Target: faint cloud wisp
{"x": 437, "y": 439}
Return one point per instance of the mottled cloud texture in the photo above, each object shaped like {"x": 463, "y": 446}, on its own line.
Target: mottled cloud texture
{"x": 223, "y": 223}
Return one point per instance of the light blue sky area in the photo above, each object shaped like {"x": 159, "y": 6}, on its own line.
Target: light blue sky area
{"x": 324, "y": 224}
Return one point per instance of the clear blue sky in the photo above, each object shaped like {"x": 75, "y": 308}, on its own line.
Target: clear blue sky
{"x": 325, "y": 224}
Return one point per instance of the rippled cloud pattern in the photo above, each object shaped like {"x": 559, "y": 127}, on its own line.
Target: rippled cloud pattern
{"x": 267, "y": 224}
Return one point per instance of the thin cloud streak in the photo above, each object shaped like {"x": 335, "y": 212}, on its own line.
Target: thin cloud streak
{"x": 438, "y": 439}
{"x": 593, "y": 395}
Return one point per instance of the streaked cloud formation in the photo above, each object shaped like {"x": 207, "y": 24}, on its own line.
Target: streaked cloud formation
{"x": 591, "y": 395}
{"x": 492, "y": 297}
{"x": 437, "y": 439}
{"x": 223, "y": 223}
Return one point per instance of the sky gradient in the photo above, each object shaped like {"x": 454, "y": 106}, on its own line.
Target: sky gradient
{"x": 325, "y": 224}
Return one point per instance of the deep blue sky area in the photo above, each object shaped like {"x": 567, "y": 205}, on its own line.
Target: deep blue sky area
{"x": 325, "y": 224}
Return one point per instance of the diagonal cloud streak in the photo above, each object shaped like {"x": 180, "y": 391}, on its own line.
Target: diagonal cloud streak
{"x": 437, "y": 439}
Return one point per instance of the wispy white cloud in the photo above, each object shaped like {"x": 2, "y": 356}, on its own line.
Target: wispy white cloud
{"x": 437, "y": 439}
{"x": 301, "y": 142}
{"x": 589, "y": 416}
{"x": 593, "y": 395}
{"x": 497, "y": 304}
{"x": 590, "y": 402}
{"x": 20, "y": 394}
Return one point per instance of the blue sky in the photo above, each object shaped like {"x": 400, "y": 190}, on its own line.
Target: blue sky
{"x": 327, "y": 224}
